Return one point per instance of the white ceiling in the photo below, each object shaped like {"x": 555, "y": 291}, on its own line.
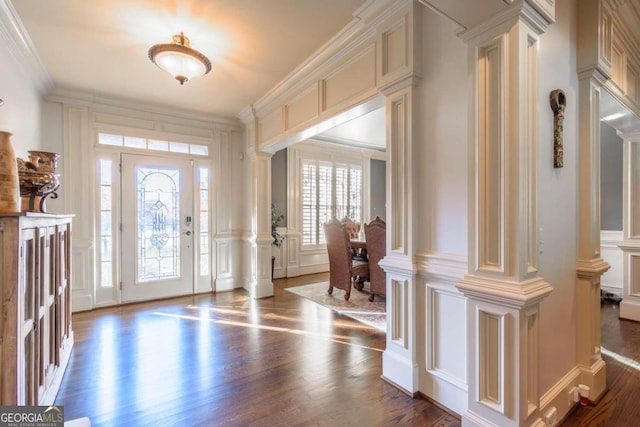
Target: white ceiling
{"x": 468, "y": 14}
{"x": 100, "y": 46}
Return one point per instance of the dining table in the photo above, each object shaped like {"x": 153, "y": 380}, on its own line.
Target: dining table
{"x": 359, "y": 249}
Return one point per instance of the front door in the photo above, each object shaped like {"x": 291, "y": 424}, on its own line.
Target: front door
{"x": 157, "y": 232}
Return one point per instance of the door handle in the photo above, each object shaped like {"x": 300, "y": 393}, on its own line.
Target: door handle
{"x": 188, "y": 233}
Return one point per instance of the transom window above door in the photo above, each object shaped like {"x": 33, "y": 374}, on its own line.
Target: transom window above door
{"x": 152, "y": 144}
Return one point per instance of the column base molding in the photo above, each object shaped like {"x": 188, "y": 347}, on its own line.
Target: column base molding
{"x": 502, "y": 292}
{"x": 595, "y": 376}
{"x": 257, "y": 289}
{"x": 400, "y": 372}
{"x": 399, "y": 360}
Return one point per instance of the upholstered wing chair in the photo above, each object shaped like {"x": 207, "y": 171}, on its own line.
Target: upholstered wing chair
{"x": 376, "y": 236}
{"x": 343, "y": 269}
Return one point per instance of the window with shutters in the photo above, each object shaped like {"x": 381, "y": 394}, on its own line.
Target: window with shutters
{"x": 329, "y": 190}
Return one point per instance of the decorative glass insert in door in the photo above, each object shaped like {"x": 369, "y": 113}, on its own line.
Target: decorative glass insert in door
{"x": 158, "y": 223}
{"x": 203, "y": 184}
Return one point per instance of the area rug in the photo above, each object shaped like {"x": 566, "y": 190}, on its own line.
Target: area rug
{"x": 358, "y": 307}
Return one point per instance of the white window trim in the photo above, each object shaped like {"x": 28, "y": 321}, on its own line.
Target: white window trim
{"x": 321, "y": 151}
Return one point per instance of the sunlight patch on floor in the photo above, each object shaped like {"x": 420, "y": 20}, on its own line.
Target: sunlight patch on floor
{"x": 335, "y": 338}
{"x": 622, "y": 359}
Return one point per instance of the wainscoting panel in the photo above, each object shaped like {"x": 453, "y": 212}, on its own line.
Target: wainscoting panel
{"x": 491, "y": 359}
{"x": 399, "y": 312}
{"x": 81, "y": 292}
{"x": 223, "y": 252}
{"x": 442, "y": 329}
{"x": 446, "y": 334}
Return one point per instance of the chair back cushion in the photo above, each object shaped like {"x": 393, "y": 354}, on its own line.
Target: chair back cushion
{"x": 376, "y": 236}
{"x": 339, "y": 251}
{"x": 353, "y": 228}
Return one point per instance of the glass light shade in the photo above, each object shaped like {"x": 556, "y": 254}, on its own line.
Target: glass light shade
{"x": 179, "y": 59}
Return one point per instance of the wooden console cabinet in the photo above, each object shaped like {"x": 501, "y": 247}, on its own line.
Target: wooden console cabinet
{"x": 35, "y": 317}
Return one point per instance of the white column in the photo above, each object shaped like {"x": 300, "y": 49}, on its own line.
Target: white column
{"x": 630, "y": 305}
{"x": 503, "y": 286}
{"x": 399, "y": 361}
{"x": 260, "y": 285}
{"x": 590, "y": 266}
{"x": 594, "y": 68}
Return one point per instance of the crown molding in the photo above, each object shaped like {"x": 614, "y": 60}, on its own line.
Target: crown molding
{"x": 528, "y": 11}
{"x": 85, "y": 99}
{"x": 21, "y": 47}
{"x": 361, "y": 30}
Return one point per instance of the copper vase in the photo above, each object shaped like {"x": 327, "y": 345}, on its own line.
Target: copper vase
{"x": 9, "y": 187}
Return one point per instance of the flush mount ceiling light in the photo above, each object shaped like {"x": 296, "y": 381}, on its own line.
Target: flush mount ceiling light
{"x": 179, "y": 59}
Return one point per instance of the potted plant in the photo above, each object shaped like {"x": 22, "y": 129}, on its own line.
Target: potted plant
{"x": 277, "y": 237}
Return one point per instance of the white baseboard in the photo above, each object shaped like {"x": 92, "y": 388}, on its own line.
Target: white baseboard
{"x": 558, "y": 396}
{"x": 613, "y": 290}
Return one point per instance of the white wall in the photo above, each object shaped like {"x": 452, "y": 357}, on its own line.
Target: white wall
{"x": 443, "y": 138}
{"x": 557, "y": 195}
{"x": 442, "y": 148}
{"x": 21, "y": 113}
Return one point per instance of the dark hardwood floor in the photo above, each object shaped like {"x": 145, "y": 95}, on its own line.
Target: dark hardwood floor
{"x": 228, "y": 360}
{"x": 621, "y": 351}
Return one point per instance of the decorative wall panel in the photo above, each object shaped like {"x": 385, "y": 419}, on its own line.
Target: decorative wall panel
{"x": 632, "y": 82}
{"x": 634, "y": 189}
{"x": 446, "y": 334}
{"x": 531, "y": 354}
{"x": 634, "y": 272}
{"x": 606, "y": 29}
{"x": 491, "y": 157}
{"x": 353, "y": 78}
{"x": 122, "y": 120}
{"x": 395, "y": 52}
{"x": 491, "y": 360}
{"x": 302, "y": 108}
{"x": 399, "y": 312}
{"x": 618, "y": 63}
{"x": 223, "y": 252}
{"x": 187, "y": 130}
{"x": 397, "y": 161}
{"x": 271, "y": 124}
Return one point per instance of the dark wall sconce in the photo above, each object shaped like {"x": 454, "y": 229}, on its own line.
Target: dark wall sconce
{"x": 558, "y": 102}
